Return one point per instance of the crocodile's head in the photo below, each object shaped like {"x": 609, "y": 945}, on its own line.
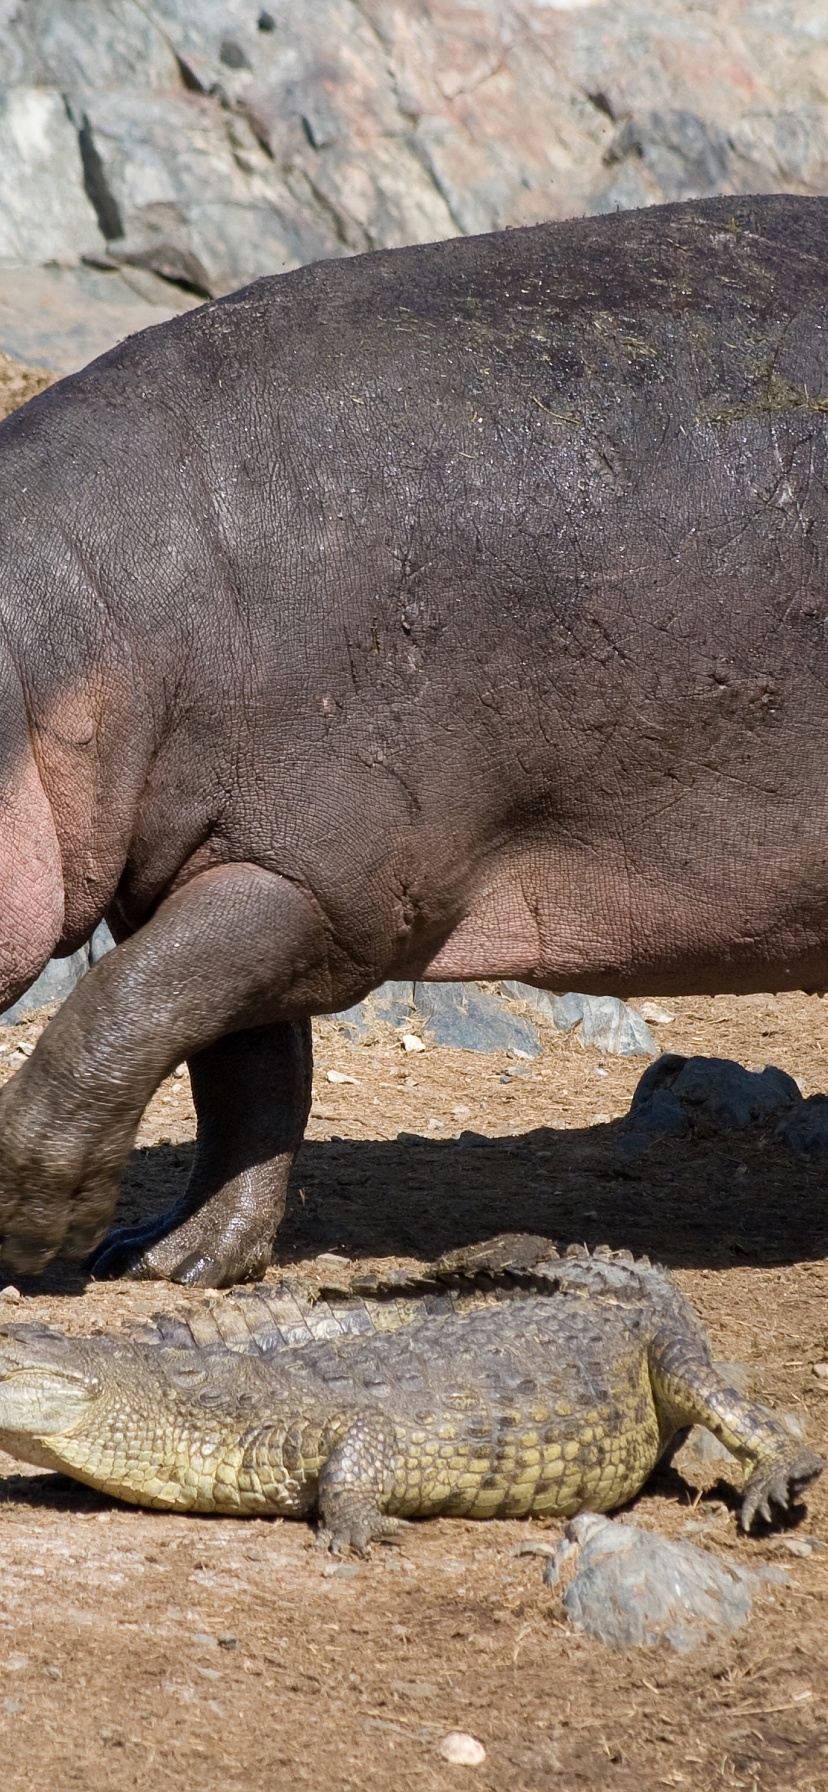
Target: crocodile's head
{"x": 48, "y": 1383}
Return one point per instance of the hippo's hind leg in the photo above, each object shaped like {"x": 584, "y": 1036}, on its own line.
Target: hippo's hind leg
{"x": 237, "y": 948}
{"x": 252, "y": 1094}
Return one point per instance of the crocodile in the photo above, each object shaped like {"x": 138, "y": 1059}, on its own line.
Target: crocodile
{"x": 550, "y": 1388}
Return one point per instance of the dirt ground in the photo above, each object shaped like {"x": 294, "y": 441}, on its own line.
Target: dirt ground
{"x": 19, "y": 383}
{"x": 140, "y": 1650}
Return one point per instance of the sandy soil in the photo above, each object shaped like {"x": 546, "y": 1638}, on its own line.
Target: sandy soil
{"x": 19, "y": 383}
{"x": 139, "y": 1650}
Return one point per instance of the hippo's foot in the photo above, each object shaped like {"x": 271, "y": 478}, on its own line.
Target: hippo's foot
{"x": 198, "y": 1252}
{"x": 252, "y": 1096}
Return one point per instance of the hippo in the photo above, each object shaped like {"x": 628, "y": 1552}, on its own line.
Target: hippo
{"x": 456, "y": 611}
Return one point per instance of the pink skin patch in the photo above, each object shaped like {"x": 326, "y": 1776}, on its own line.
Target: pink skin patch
{"x": 31, "y": 880}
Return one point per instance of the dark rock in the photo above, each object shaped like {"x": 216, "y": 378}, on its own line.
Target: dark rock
{"x": 461, "y": 1015}
{"x": 805, "y": 1129}
{"x": 661, "y": 1115}
{"x": 714, "y": 1094}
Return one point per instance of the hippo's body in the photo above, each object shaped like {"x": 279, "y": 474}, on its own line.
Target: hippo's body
{"x": 458, "y": 611}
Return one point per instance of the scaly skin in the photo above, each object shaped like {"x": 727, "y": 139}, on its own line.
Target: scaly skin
{"x": 556, "y": 1397}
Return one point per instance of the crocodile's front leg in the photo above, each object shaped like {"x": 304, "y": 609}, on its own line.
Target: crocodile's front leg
{"x": 355, "y": 1483}
{"x": 237, "y": 947}
{"x": 689, "y": 1390}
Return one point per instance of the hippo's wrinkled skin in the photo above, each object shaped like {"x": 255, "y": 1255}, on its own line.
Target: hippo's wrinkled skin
{"x": 451, "y": 612}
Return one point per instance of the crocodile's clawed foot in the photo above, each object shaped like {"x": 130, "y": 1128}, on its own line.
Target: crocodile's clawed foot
{"x": 778, "y": 1483}
{"x": 356, "y": 1538}
{"x": 161, "y": 1252}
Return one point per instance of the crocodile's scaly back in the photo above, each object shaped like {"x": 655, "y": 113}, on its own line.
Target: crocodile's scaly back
{"x": 550, "y": 1388}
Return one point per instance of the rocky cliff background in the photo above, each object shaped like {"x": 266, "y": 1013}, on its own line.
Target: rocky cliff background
{"x": 153, "y": 152}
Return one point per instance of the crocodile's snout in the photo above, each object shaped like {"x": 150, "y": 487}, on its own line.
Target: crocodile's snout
{"x": 44, "y": 1386}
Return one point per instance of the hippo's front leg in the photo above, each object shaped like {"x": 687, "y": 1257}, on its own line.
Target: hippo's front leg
{"x": 236, "y": 948}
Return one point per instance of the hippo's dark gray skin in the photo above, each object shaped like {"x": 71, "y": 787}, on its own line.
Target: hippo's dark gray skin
{"x": 452, "y": 612}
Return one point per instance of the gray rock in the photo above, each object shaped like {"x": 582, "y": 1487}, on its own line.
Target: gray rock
{"x": 100, "y": 943}
{"x": 60, "y": 976}
{"x": 54, "y": 984}
{"x": 356, "y": 1024}
{"x": 214, "y": 140}
{"x": 607, "y": 1023}
{"x": 805, "y": 1128}
{"x": 177, "y": 173}
{"x": 569, "y": 1011}
{"x": 44, "y": 212}
{"x": 612, "y": 1027}
{"x": 461, "y": 1015}
{"x": 632, "y": 1588}
{"x": 63, "y": 317}
{"x": 456, "y": 1014}
{"x": 83, "y": 44}
{"x": 393, "y": 1003}
{"x": 714, "y": 1094}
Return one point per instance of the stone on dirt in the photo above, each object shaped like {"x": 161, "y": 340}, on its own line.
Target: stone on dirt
{"x": 805, "y": 1128}
{"x": 677, "y": 1095}
{"x": 58, "y": 979}
{"x": 633, "y": 1588}
{"x": 461, "y": 1749}
{"x": 455, "y": 1014}
{"x": 606, "y": 1023}
{"x": 461, "y": 1015}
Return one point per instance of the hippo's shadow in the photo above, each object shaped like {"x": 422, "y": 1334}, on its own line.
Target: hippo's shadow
{"x": 695, "y": 1203}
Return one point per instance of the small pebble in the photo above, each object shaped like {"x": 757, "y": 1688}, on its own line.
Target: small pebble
{"x": 655, "y": 1014}
{"x": 821, "y": 1371}
{"x": 461, "y": 1749}
{"x": 339, "y": 1076}
{"x": 461, "y": 1112}
{"x": 10, "y": 1293}
{"x": 180, "y": 1070}
{"x": 410, "y": 1043}
{"x": 801, "y": 1546}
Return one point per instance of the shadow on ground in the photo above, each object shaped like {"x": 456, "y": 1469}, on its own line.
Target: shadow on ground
{"x": 694, "y": 1204}
{"x": 701, "y": 1203}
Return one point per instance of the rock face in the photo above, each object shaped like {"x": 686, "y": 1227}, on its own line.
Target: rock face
{"x": 200, "y": 143}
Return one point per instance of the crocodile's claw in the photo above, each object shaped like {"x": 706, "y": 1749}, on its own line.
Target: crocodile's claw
{"x": 779, "y": 1482}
